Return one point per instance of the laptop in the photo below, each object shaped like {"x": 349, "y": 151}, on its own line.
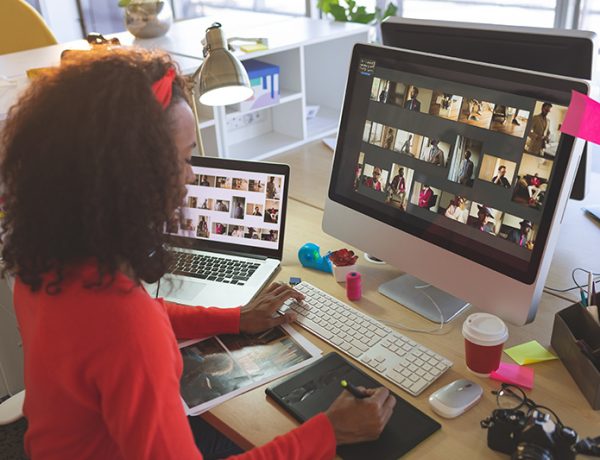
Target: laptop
{"x": 227, "y": 238}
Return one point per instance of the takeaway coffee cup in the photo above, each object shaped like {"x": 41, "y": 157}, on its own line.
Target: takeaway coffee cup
{"x": 484, "y": 335}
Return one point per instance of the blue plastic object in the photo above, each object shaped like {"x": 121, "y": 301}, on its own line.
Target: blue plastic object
{"x": 310, "y": 257}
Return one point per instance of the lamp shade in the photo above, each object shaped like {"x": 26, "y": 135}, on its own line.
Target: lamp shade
{"x": 222, "y": 79}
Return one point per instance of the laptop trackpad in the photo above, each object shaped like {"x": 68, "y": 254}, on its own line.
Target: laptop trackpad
{"x": 184, "y": 291}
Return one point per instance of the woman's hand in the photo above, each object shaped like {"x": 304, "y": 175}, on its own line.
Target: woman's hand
{"x": 258, "y": 315}
{"x": 358, "y": 420}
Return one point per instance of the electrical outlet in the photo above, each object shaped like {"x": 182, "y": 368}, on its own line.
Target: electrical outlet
{"x": 241, "y": 120}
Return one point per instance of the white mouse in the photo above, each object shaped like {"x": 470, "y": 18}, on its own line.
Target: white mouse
{"x": 455, "y": 398}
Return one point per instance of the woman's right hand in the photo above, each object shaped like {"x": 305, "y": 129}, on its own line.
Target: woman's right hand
{"x": 357, "y": 420}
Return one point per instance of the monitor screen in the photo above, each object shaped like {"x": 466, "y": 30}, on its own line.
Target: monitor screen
{"x": 462, "y": 156}
{"x": 231, "y": 207}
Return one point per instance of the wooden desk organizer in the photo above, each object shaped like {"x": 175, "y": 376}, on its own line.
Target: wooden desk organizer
{"x": 572, "y": 324}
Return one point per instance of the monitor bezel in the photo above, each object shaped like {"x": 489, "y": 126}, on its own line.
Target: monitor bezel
{"x": 471, "y": 72}
{"x": 260, "y": 167}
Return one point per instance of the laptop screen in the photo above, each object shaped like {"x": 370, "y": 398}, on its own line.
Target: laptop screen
{"x": 233, "y": 207}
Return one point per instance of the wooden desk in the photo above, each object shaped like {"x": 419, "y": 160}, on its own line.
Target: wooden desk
{"x": 252, "y": 419}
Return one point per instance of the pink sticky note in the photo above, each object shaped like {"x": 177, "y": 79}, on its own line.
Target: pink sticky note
{"x": 515, "y": 374}
{"x": 583, "y": 118}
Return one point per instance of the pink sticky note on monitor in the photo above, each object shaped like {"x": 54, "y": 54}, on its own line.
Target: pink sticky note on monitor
{"x": 583, "y": 118}
{"x": 515, "y": 374}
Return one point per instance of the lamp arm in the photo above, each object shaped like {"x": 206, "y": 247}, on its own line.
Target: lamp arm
{"x": 192, "y": 85}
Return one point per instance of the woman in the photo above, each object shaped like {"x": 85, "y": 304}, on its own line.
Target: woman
{"x": 100, "y": 149}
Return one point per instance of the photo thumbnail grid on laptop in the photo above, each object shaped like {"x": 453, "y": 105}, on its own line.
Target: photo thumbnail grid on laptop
{"x": 231, "y": 206}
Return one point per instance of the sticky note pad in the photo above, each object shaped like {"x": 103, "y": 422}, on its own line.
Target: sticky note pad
{"x": 583, "y": 118}
{"x": 253, "y": 48}
{"x": 515, "y": 374}
{"x": 529, "y": 353}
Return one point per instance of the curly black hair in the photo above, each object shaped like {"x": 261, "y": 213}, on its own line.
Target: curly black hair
{"x": 90, "y": 169}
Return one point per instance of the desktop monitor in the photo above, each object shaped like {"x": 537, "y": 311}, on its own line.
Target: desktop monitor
{"x": 431, "y": 175}
{"x": 571, "y": 53}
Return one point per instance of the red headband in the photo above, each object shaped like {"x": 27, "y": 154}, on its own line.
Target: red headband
{"x": 163, "y": 88}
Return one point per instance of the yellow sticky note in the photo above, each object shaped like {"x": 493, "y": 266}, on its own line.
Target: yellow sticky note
{"x": 529, "y": 353}
{"x": 253, "y": 48}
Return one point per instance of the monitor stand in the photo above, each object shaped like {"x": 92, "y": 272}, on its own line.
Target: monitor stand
{"x": 413, "y": 293}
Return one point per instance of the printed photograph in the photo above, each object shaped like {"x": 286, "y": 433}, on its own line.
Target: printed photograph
{"x": 239, "y": 184}
{"x": 219, "y": 229}
{"x": 222, "y": 205}
{"x": 544, "y": 135}
{"x": 274, "y": 188}
{"x": 399, "y": 186}
{"x": 223, "y": 182}
{"x": 255, "y": 185}
{"x": 374, "y": 177}
{"x": 254, "y": 209}
{"x": 454, "y": 207}
{"x": 521, "y": 232}
{"x": 236, "y": 231}
{"x": 238, "y": 206}
{"x": 269, "y": 235}
{"x": 408, "y": 143}
{"x": 425, "y": 196}
{"x": 203, "y": 228}
{"x": 476, "y": 113}
{"x": 435, "y": 151}
{"x": 207, "y": 203}
{"x": 358, "y": 171}
{"x": 509, "y": 120}
{"x": 271, "y": 211}
{"x": 485, "y": 219}
{"x": 252, "y": 233}
{"x": 498, "y": 171}
{"x": 209, "y": 372}
{"x": 379, "y": 89}
{"x": 445, "y": 105}
{"x": 206, "y": 181}
{"x": 532, "y": 181}
{"x": 396, "y": 93}
{"x": 418, "y": 99}
{"x": 465, "y": 161}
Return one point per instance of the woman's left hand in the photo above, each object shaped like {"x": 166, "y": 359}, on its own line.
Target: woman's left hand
{"x": 258, "y": 315}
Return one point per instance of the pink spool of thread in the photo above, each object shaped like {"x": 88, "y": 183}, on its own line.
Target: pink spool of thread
{"x": 353, "y": 286}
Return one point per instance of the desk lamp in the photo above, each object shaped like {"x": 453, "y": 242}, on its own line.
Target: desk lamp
{"x": 221, "y": 79}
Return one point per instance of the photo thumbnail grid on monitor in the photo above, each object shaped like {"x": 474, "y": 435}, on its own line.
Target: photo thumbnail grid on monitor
{"x": 487, "y": 166}
{"x": 228, "y": 206}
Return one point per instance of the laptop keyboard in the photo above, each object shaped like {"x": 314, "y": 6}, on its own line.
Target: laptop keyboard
{"x": 212, "y": 268}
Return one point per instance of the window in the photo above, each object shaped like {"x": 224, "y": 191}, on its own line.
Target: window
{"x": 590, "y": 16}
{"x": 194, "y": 8}
{"x": 533, "y": 13}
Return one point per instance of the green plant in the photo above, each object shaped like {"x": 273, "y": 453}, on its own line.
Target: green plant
{"x": 348, "y": 11}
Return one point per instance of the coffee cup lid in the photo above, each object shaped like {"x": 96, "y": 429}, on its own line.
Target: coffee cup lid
{"x": 485, "y": 329}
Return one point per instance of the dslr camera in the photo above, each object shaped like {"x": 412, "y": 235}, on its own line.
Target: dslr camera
{"x": 531, "y": 436}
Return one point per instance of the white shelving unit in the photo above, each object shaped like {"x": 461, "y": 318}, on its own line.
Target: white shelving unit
{"x": 313, "y": 58}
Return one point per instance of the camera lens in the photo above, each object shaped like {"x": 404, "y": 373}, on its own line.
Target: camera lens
{"x": 527, "y": 451}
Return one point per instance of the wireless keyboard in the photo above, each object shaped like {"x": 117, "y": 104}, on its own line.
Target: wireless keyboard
{"x": 399, "y": 359}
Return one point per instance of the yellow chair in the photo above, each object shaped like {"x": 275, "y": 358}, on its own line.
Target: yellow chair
{"x": 22, "y": 28}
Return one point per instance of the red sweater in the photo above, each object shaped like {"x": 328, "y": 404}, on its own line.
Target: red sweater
{"x": 102, "y": 372}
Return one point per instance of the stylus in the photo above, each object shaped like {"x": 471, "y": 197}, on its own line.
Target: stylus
{"x": 353, "y": 389}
